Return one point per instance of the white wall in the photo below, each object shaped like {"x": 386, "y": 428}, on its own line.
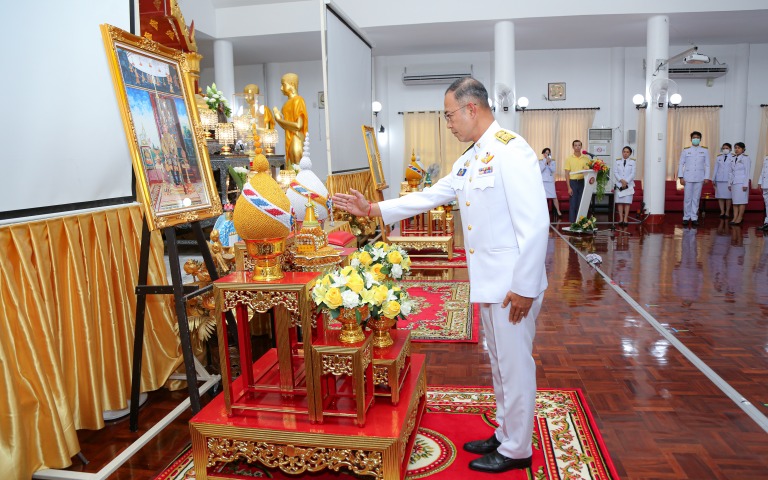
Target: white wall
{"x": 587, "y": 73}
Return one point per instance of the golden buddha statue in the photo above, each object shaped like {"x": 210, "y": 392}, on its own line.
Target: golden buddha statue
{"x": 293, "y": 119}
{"x": 251, "y": 92}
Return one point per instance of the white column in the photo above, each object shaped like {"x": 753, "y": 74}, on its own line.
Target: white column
{"x": 657, "y": 51}
{"x": 224, "y": 67}
{"x": 618, "y": 100}
{"x": 504, "y": 73}
{"x": 733, "y": 119}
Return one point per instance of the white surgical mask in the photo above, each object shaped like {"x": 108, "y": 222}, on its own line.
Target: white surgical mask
{"x": 696, "y": 142}
{"x": 726, "y": 151}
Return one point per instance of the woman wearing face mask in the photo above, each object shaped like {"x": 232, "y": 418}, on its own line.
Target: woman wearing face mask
{"x": 723, "y": 165}
{"x": 739, "y": 182}
{"x": 547, "y": 166}
{"x": 624, "y": 178}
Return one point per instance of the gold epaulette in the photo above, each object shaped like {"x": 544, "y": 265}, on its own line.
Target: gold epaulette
{"x": 504, "y": 136}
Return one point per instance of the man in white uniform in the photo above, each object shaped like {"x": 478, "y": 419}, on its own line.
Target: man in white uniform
{"x": 498, "y": 185}
{"x": 693, "y": 172}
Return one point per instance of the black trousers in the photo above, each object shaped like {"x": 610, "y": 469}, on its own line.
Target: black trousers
{"x": 577, "y": 186}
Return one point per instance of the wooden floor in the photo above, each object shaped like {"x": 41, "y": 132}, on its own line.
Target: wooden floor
{"x": 659, "y": 415}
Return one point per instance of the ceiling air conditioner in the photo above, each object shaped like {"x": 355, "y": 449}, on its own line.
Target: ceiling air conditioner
{"x": 444, "y": 76}
{"x": 698, "y": 71}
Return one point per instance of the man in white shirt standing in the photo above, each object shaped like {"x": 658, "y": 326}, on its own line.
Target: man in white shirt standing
{"x": 498, "y": 185}
{"x": 693, "y": 172}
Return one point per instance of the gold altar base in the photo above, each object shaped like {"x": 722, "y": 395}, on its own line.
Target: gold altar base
{"x": 294, "y": 445}
{"x": 417, "y": 243}
{"x": 391, "y": 365}
{"x": 265, "y": 254}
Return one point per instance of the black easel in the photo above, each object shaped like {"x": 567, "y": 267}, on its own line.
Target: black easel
{"x": 180, "y": 294}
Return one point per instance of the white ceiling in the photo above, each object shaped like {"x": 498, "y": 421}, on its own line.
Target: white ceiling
{"x": 594, "y": 31}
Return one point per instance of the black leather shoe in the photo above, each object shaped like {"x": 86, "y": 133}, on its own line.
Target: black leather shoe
{"x": 495, "y": 462}
{"x": 695, "y": 223}
{"x": 685, "y": 223}
{"x": 764, "y": 227}
{"x": 481, "y": 447}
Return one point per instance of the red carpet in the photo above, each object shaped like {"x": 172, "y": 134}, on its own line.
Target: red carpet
{"x": 566, "y": 442}
{"x": 442, "y": 312}
{"x": 459, "y": 260}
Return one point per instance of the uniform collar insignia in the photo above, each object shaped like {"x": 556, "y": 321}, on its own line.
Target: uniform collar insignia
{"x": 504, "y": 136}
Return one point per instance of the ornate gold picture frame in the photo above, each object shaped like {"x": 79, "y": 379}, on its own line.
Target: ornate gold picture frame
{"x": 166, "y": 141}
{"x": 374, "y": 159}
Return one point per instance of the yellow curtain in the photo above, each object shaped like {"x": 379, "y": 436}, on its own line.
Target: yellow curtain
{"x": 67, "y": 291}
{"x": 556, "y": 129}
{"x": 450, "y": 148}
{"x": 762, "y": 147}
{"x": 680, "y": 123}
{"x": 538, "y": 129}
{"x": 427, "y": 136}
{"x": 640, "y": 149}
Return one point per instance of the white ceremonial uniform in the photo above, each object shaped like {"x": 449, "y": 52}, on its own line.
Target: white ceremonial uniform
{"x": 739, "y": 178}
{"x": 623, "y": 170}
{"x": 548, "y": 177}
{"x": 505, "y": 224}
{"x": 763, "y": 183}
{"x": 694, "y": 169}
{"x": 720, "y": 176}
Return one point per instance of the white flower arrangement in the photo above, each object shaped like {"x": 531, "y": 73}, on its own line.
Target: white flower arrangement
{"x": 216, "y": 100}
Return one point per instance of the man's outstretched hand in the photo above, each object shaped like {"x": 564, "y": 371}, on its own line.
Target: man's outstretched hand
{"x": 356, "y": 204}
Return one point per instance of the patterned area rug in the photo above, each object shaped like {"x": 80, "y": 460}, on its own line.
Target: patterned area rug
{"x": 566, "y": 442}
{"x": 442, "y": 312}
{"x": 459, "y": 260}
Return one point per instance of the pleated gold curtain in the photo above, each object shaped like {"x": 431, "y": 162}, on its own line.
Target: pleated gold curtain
{"x": 556, "y": 129}
{"x": 762, "y": 147}
{"x": 67, "y": 292}
{"x": 680, "y": 123}
{"x": 426, "y": 135}
{"x": 640, "y": 149}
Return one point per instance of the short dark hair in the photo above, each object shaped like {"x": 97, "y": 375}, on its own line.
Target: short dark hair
{"x": 546, "y": 150}
{"x": 726, "y": 143}
{"x": 627, "y": 147}
{"x": 740, "y": 144}
{"x": 470, "y": 90}
{"x": 574, "y": 142}
{"x": 695, "y": 133}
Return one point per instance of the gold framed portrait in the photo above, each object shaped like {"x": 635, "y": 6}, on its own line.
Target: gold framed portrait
{"x": 165, "y": 139}
{"x": 374, "y": 159}
{"x": 556, "y": 91}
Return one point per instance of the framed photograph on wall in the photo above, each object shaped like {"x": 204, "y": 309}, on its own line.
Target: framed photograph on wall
{"x": 374, "y": 159}
{"x": 556, "y": 91}
{"x": 166, "y": 141}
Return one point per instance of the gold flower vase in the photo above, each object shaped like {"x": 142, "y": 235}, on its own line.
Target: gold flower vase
{"x": 351, "y": 332}
{"x": 380, "y": 328}
{"x": 266, "y": 258}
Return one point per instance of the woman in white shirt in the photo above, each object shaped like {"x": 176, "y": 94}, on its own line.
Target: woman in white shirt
{"x": 720, "y": 177}
{"x": 762, "y": 182}
{"x": 624, "y": 178}
{"x": 738, "y": 182}
{"x": 547, "y": 166}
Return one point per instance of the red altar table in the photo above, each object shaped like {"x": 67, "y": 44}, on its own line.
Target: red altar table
{"x": 295, "y": 445}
